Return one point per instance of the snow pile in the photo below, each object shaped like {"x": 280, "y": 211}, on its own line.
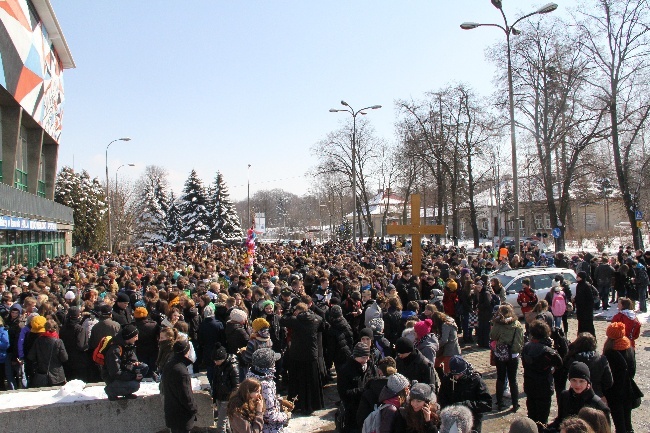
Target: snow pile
{"x": 73, "y": 391}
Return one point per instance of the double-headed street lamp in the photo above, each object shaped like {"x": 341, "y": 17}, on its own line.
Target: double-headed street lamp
{"x": 354, "y": 158}
{"x": 511, "y": 30}
{"x": 108, "y": 202}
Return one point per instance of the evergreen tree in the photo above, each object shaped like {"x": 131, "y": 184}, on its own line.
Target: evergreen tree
{"x": 173, "y": 223}
{"x": 223, "y": 216}
{"x": 193, "y": 211}
{"x": 154, "y": 205}
{"x": 87, "y": 199}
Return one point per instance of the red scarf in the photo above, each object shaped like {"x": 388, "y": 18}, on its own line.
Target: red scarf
{"x": 50, "y": 334}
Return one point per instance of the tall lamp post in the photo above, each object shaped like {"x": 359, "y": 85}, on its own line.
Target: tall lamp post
{"x": 108, "y": 201}
{"x": 511, "y": 30}
{"x": 115, "y": 193}
{"x": 354, "y": 158}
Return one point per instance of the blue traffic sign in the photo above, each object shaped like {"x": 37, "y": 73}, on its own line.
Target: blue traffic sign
{"x": 556, "y": 233}
{"x": 638, "y": 215}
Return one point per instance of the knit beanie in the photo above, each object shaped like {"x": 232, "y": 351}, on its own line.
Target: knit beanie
{"x": 523, "y": 425}
{"x": 181, "y": 346}
{"x": 129, "y": 331}
{"x": 264, "y": 358}
{"x": 123, "y": 297}
{"x": 377, "y": 325}
{"x": 403, "y": 345}
{"x": 579, "y": 370}
{"x": 239, "y": 316}
{"x": 336, "y": 312}
{"x": 452, "y": 285}
{"x": 260, "y": 323}
{"x": 69, "y": 295}
{"x": 366, "y": 332}
{"x": 38, "y": 324}
{"x": 219, "y": 352}
{"x": 456, "y": 418}
{"x": 208, "y": 312}
{"x": 397, "y": 382}
{"x": 267, "y": 303}
{"x": 423, "y": 392}
{"x": 140, "y": 313}
{"x": 74, "y": 313}
{"x": 457, "y": 365}
{"x": 616, "y": 331}
{"x": 423, "y": 327}
{"x": 360, "y": 350}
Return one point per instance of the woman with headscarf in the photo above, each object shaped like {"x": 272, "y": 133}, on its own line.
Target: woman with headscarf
{"x": 620, "y": 354}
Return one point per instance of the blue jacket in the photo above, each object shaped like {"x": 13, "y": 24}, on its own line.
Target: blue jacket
{"x": 4, "y": 344}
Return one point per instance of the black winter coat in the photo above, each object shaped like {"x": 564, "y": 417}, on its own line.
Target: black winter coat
{"x": 104, "y": 328}
{"x": 305, "y": 329}
{"x": 147, "y": 344}
{"x": 225, "y": 379}
{"x": 623, "y": 365}
{"x": 278, "y": 333}
{"x": 469, "y": 390}
{"x": 119, "y": 360}
{"x": 417, "y": 367}
{"x": 178, "y": 402}
{"x": 75, "y": 340}
{"x": 350, "y": 384}
{"x": 123, "y": 317}
{"x": 484, "y": 305}
{"x": 49, "y": 351}
{"x": 339, "y": 341}
{"x": 570, "y": 404}
{"x": 393, "y": 326}
{"x": 599, "y": 370}
{"x": 211, "y": 332}
{"x": 237, "y": 336}
{"x": 538, "y": 359}
{"x": 370, "y": 397}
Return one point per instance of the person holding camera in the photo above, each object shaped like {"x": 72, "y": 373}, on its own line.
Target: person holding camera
{"x": 121, "y": 370}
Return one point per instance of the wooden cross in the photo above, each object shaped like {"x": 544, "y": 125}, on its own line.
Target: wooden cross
{"x": 416, "y": 231}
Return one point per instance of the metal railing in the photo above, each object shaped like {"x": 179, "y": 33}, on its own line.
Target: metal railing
{"x": 14, "y": 202}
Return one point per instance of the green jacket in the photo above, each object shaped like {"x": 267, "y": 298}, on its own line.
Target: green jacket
{"x": 508, "y": 332}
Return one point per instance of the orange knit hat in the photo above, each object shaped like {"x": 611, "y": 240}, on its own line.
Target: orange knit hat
{"x": 140, "y": 313}
{"x": 616, "y": 330}
{"x": 260, "y": 323}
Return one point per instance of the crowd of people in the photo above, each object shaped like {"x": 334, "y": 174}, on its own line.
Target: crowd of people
{"x": 305, "y": 315}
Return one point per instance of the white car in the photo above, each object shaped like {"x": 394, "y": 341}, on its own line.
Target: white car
{"x": 540, "y": 278}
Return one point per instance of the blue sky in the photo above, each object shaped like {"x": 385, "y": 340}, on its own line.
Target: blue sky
{"x": 217, "y": 85}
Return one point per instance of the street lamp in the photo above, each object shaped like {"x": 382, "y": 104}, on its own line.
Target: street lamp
{"x": 115, "y": 193}
{"x": 354, "y": 159}
{"x": 508, "y": 30}
{"x": 108, "y": 202}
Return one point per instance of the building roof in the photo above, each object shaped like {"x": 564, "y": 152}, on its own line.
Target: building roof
{"x": 54, "y": 32}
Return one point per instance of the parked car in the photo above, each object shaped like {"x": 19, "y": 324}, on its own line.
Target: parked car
{"x": 540, "y": 278}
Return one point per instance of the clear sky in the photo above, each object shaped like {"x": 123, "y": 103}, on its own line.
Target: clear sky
{"x": 220, "y": 84}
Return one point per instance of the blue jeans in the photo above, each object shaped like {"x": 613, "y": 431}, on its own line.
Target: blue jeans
{"x": 557, "y": 321}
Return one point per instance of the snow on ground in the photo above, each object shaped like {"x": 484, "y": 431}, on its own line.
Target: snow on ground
{"x": 73, "y": 391}
{"x": 608, "y": 314}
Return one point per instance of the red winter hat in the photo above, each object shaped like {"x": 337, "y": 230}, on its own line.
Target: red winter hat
{"x": 423, "y": 327}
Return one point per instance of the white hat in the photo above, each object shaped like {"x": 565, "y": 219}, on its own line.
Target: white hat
{"x": 69, "y": 295}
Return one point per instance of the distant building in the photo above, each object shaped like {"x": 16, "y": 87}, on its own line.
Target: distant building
{"x": 33, "y": 55}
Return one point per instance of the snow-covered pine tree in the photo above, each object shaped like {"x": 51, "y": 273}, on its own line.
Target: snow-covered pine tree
{"x": 173, "y": 223}
{"x": 87, "y": 199}
{"x": 193, "y": 211}
{"x": 223, "y": 216}
{"x": 154, "y": 205}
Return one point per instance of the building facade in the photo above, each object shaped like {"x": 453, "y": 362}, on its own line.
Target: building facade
{"x": 33, "y": 55}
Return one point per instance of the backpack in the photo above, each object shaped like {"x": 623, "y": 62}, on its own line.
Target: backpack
{"x": 100, "y": 350}
{"x": 372, "y": 423}
{"x": 558, "y": 305}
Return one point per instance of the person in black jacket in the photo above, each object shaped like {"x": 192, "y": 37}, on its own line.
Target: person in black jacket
{"x": 484, "y": 306}
{"x": 370, "y": 396}
{"x": 178, "y": 402}
{"x": 121, "y": 370}
{"x": 620, "y": 355}
{"x": 237, "y": 335}
{"x": 350, "y": 385}
{"x": 539, "y": 360}
{"x": 302, "y": 358}
{"x": 122, "y": 312}
{"x": 75, "y": 340}
{"x": 464, "y": 386}
{"x": 224, "y": 380}
{"x": 48, "y": 355}
{"x": 339, "y": 339}
{"x": 147, "y": 346}
{"x": 579, "y": 395}
{"x": 210, "y": 333}
{"x": 584, "y": 304}
{"x": 413, "y": 365}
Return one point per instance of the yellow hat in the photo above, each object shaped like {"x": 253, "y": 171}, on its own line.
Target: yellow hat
{"x": 260, "y": 323}
{"x": 140, "y": 313}
{"x": 38, "y": 324}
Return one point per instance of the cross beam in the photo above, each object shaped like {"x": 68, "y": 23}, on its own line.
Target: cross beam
{"x": 416, "y": 231}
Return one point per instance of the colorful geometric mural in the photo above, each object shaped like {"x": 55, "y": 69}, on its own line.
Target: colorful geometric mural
{"x": 29, "y": 67}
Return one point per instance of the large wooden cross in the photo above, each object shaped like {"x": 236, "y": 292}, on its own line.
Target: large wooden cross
{"x": 416, "y": 231}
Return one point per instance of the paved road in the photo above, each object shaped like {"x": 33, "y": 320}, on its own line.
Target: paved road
{"x": 323, "y": 420}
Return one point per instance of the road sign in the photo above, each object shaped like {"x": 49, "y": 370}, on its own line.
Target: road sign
{"x": 556, "y": 233}
{"x": 638, "y": 215}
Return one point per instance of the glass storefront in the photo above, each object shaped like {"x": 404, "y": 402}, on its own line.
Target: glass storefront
{"x": 29, "y": 247}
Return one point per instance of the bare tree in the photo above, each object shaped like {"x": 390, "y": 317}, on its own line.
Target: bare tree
{"x": 615, "y": 36}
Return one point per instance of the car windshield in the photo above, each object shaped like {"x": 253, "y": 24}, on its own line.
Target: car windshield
{"x": 505, "y": 279}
